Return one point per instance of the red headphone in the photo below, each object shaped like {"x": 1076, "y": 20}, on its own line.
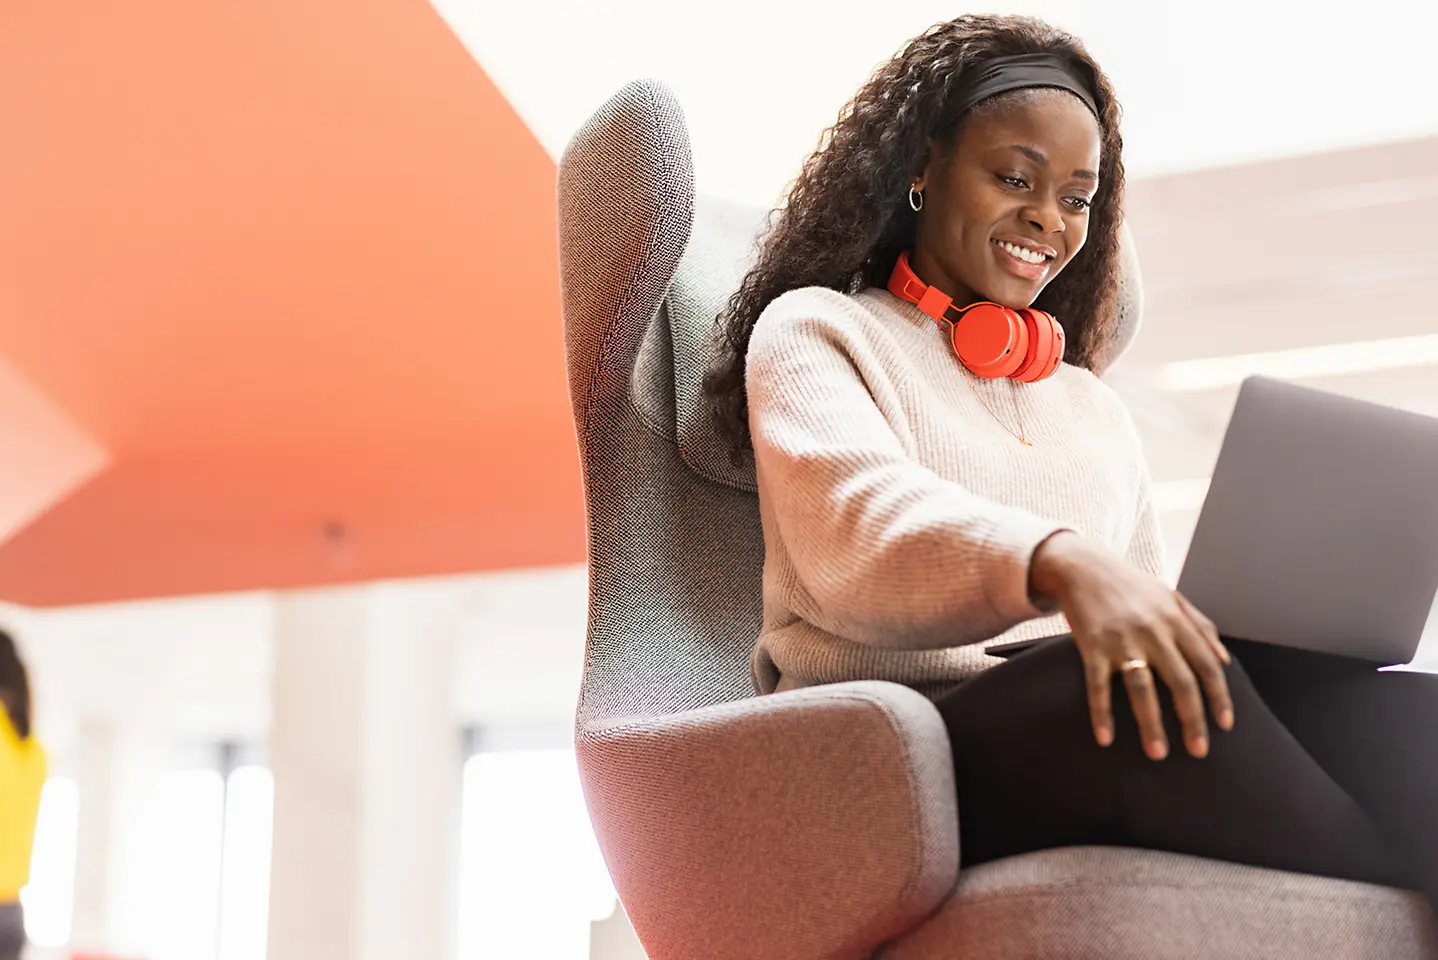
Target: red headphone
{"x": 992, "y": 340}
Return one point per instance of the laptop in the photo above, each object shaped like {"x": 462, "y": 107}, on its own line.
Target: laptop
{"x": 1320, "y": 527}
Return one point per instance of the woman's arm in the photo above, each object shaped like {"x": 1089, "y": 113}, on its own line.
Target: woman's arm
{"x": 889, "y": 552}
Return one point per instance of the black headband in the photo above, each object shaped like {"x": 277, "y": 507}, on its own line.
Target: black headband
{"x": 1002, "y": 74}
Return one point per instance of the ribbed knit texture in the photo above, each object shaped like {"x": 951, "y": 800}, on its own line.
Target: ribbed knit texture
{"x": 899, "y": 514}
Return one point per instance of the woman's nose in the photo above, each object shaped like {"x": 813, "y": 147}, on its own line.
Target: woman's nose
{"x": 1046, "y": 218}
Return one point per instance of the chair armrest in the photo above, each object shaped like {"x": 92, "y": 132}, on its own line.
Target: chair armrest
{"x": 815, "y": 823}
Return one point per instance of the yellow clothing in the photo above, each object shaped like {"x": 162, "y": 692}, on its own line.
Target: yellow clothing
{"x": 22, "y": 774}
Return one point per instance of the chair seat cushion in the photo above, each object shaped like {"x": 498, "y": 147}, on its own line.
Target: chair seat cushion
{"x": 1117, "y": 903}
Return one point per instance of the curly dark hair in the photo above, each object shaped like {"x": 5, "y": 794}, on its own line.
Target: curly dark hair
{"x": 14, "y": 686}
{"x": 846, "y": 217}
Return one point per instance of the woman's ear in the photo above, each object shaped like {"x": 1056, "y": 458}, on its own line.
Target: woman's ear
{"x": 933, "y": 163}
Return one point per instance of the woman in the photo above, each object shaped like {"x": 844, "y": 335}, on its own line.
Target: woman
{"x": 22, "y": 774}
{"x": 918, "y": 506}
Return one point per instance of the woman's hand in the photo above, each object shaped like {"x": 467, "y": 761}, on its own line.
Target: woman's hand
{"x": 1130, "y": 622}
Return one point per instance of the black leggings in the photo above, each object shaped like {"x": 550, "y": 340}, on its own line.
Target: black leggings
{"x": 1331, "y": 768}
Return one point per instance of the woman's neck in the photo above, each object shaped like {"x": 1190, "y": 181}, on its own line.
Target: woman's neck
{"x": 929, "y": 271}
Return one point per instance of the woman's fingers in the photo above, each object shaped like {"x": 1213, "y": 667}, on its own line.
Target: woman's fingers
{"x": 1143, "y": 695}
{"x": 1215, "y": 683}
{"x": 1098, "y": 677}
{"x": 1157, "y": 637}
{"x": 1206, "y": 627}
{"x": 1173, "y": 667}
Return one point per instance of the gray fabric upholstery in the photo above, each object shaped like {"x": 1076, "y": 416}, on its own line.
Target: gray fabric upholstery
{"x": 674, "y": 560}
{"x": 720, "y": 250}
{"x": 1082, "y": 903}
{"x": 1130, "y": 305}
{"x": 718, "y": 812}
{"x": 818, "y": 823}
{"x": 677, "y": 350}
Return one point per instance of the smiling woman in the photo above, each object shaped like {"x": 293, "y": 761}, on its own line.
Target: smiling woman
{"x": 919, "y": 507}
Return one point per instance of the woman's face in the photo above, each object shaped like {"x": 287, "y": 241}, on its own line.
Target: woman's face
{"x": 1008, "y": 208}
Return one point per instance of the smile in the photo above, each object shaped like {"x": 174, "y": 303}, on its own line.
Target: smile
{"x": 1025, "y": 262}
{"x": 1026, "y": 254}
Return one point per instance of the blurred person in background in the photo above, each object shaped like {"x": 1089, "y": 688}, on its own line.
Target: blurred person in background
{"x": 22, "y": 775}
{"x": 918, "y": 506}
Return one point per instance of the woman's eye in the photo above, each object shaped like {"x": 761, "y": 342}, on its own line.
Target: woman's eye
{"x": 1016, "y": 182}
{"x": 1080, "y": 203}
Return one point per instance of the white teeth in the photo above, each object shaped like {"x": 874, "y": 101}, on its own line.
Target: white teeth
{"x": 1023, "y": 253}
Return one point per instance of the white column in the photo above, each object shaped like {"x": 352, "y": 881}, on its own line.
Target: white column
{"x": 115, "y": 768}
{"x": 95, "y": 776}
{"x": 365, "y": 752}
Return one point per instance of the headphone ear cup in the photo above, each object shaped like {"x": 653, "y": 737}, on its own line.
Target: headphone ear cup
{"x": 1045, "y": 347}
{"x": 991, "y": 340}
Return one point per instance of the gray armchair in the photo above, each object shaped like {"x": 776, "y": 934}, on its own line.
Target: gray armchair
{"x": 818, "y": 823}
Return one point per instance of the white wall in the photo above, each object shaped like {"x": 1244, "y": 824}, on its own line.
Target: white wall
{"x": 155, "y": 686}
{"x": 198, "y": 670}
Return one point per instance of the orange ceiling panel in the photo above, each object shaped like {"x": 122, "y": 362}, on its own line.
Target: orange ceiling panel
{"x": 291, "y": 267}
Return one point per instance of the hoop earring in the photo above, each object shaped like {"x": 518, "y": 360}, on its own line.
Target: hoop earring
{"x": 916, "y": 199}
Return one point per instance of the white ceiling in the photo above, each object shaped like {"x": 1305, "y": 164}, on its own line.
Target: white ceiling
{"x": 1202, "y": 84}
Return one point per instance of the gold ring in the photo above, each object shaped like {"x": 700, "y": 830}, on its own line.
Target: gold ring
{"x": 1129, "y": 665}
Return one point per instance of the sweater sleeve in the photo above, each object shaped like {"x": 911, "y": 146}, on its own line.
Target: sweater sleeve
{"x": 886, "y": 551}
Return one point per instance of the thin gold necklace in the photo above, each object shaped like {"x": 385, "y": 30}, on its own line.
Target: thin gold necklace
{"x": 948, "y": 326}
{"x": 1021, "y": 435}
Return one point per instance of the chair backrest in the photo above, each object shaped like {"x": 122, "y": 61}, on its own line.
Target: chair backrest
{"x": 675, "y": 548}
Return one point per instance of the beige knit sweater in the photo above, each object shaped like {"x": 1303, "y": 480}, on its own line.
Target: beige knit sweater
{"x": 899, "y": 515}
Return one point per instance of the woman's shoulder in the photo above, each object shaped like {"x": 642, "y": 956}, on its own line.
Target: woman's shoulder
{"x": 819, "y": 303}
{"x": 821, "y": 313}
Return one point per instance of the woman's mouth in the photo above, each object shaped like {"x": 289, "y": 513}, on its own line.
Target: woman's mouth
{"x": 1021, "y": 260}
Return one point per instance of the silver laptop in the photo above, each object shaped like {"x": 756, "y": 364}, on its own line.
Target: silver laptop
{"x": 1320, "y": 528}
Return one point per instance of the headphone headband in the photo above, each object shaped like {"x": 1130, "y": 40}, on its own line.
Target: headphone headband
{"x": 905, "y": 284}
{"x": 993, "y": 341}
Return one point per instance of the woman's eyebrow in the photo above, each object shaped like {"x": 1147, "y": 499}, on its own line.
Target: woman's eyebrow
{"x": 1037, "y": 157}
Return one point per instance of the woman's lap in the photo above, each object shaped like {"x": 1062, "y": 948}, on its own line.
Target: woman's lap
{"x": 1314, "y": 799}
